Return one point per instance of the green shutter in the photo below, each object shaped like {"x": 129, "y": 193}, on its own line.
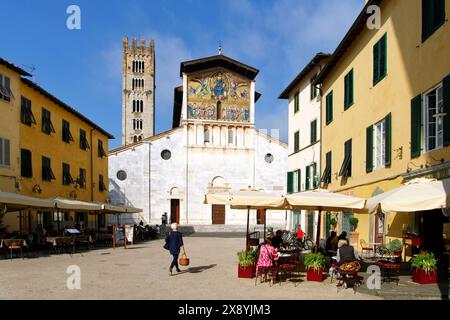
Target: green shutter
{"x": 313, "y": 131}
{"x": 314, "y": 175}
{"x": 351, "y": 87}
{"x": 290, "y": 182}
{"x": 369, "y": 149}
{"x": 307, "y": 177}
{"x": 299, "y": 180}
{"x": 416, "y": 124}
{"x": 348, "y": 90}
{"x": 329, "y": 107}
{"x": 25, "y": 163}
{"x": 296, "y": 141}
{"x": 388, "y": 142}
{"x": 446, "y": 85}
{"x": 383, "y": 57}
{"x": 376, "y": 57}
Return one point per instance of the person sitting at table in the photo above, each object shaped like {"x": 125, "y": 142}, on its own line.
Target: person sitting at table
{"x": 40, "y": 233}
{"x": 342, "y": 236}
{"x": 277, "y": 240}
{"x": 300, "y": 233}
{"x": 51, "y": 231}
{"x": 345, "y": 252}
{"x": 267, "y": 258}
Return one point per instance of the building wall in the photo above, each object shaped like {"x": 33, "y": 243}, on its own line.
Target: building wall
{"x": 309, "y": 153}
{"x": 413, "y": 68}
{"x": 138, "y": 52}
{"x": 237, "y": 167}
{"x": 9, "y": 129}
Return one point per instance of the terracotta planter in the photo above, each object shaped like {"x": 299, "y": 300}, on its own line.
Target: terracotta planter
{"x": 420, "y": 276}
{"x": 246, "y": 272}
{"x": 314, "y": 275}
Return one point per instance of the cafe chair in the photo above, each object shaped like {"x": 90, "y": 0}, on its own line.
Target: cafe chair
{"x": 15, "y": 245}
{"x": 263, "y": 273}
{"x": 365, "y": 248}
{"x": 288, "y": 266}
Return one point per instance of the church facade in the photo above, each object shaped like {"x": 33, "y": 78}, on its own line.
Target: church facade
{"x": 212, "y": 147}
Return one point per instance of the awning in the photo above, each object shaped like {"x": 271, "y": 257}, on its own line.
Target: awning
{"x": 68, "y": 204}
{"x": 324, "y": 200}
{"x": 247, "y": 200}
{"x": 417, "y": 195}
{"x": 14, "y": 202}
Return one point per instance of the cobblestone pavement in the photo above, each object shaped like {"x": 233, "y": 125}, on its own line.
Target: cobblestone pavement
{"x": 141, "y": 272}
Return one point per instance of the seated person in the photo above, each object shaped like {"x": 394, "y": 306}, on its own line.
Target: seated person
{"x": 342, "y": 236}
{"x": 267, "y": 256}
{"x": 277, "y": 240}
{"x": 345, "y": 253}
{"x": 51, "y": 232}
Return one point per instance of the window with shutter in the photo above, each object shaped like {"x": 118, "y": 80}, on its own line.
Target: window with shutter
{"x": 369, "y": 149}
{"x": 25, "y": 163}
{"x": 26, "y": 115}
{"x": 346, "y": 168}
{"x": 5, "y": 152}
{"x": 67, "y": 178}
{"x": 47, "y": 173}
{"x": 433, "y": 17}
{"x": 66, "y": 134}
{"x": 313, "y": 87}
{"x": 329, "y": 108}
{"x": 308, "y": 178}
{"x": 290, "y": 182}
{"x": 434, "y": 119}
{"x": 380, "y": 60}
{"x": 296, "y": 141}
{"x": 348, "y": 90}
{"x": 82, "y": 178}
{"x": 446, "y": 110}
{"x": 326, "y": 177}
{"x": 84, "y": 144}
{"x": 101, "y": 184}
{"x": 101, "y": 151}
{"x": 416, "y": 125}
{"x": 47, "y": 125}
{"x": 388, "y": 140}
{"x": 297, "y": 102}
{"x": 313, "y": 131}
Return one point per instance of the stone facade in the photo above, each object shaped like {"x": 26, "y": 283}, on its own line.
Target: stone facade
{"x": 172, "y": 172}
{"x": 138, "y": 96}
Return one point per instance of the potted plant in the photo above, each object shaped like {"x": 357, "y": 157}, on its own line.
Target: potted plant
{"x": 314, "y": 264}
{"x": 353, "y": 222}
{"x": 247, "y": 261}
{"x": 395, "y": 247}
{"x": 333, "y": 223}
{"x": 424, "y": 268}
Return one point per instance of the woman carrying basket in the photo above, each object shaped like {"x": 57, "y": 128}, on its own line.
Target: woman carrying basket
{"x": 174, "y": 242}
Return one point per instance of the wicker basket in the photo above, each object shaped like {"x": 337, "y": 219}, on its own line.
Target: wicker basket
{"x": 184, "y": 260}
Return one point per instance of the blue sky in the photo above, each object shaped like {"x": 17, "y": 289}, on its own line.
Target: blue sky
{"x": 83, "y": 67}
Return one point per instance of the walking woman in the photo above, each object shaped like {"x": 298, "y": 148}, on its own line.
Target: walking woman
{"x": 174, "y": 241}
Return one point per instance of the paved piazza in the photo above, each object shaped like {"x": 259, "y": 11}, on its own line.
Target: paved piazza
{"x": 141, "y": 272}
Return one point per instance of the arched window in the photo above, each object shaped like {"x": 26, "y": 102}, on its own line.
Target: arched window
{"x": 134, "y": 105}
{"x": 140, "y": 138}
{"x": 135, "y": 139}
{"x": 206, "y": 135}
{"x": 143, "y": 66}
{"x": 219, "y": 110}
{"x": 141, "y": 123}
{"x": 134, "y": 124}
{"x": 230, "y": 136}
{"x": 142, "y": 83}
{"x": 134, "y": 65}
{"x": 142, "y": 105}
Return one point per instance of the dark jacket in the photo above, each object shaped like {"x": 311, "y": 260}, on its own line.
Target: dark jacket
{"x": 346, "y": 254}
{"x": 175, "y": 241}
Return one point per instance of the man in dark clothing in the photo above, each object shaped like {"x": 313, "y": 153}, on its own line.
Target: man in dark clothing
{"x": 345, "y": 253}
{"x": 277, "y": 241}
{"x": 174, "y": 241}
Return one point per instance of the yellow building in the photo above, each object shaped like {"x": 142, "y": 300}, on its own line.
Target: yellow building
{"x": 9, "y": 126}
{"x": 386, "y": 112}
{"x": 60, "y": 153}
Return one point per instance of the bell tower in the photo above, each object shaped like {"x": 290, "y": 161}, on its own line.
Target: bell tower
{"x": 138, "y": 94}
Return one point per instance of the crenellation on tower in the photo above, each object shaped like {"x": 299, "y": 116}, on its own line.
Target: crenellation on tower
{"x": 138, "y": 102}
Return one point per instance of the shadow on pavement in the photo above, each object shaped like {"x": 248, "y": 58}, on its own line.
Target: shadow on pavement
{"x": 197, "y": 269}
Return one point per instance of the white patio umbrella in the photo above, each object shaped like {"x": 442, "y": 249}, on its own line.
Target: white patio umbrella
{"x": 14, "y": 202}
{"x": 320, "y": 200}
{"x": 416, "y": 195}
{"x": 248, "y": 199}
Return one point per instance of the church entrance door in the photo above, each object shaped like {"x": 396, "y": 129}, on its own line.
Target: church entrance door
{"x": 174, "y": 210}
{"x": 218, "y": 214}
